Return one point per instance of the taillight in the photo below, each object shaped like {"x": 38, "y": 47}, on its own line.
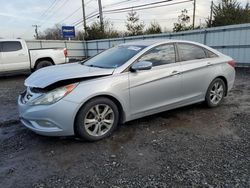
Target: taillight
{"x": 232, "y": 63}
{"x": 65, "y": 51}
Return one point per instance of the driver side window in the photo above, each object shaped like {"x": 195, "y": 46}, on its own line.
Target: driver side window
{"x": 160, "y": 55}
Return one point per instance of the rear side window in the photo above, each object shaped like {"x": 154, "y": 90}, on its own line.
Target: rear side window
{"x": 190, "y": 52}
{"x": 160, "y": 55}
{"x": 210, "y": 54}
{"x": 10, "y": 46}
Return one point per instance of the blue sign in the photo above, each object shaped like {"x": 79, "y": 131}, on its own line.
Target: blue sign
{"x": 68, "y": 31}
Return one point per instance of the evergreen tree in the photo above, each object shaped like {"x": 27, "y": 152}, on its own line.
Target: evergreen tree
{"x": 183, "y": 21}
{"x": 229, "y": 12}
{"x": 153, "y": 28}
{"x": 133, "y": 24}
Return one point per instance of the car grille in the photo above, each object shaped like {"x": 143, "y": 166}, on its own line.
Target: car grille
{"x": 28, "y": 95}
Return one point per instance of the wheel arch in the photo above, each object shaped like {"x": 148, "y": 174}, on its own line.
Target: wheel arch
{"x": 225, "y": 81}
{"x": 112, "y": 98}
{"x": 44, "y": 59}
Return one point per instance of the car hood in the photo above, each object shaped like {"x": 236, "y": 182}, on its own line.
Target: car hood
{"x": 53, "y": 74}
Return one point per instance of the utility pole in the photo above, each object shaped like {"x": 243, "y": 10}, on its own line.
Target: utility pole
{"x": 84, "y": 18}
{"x": 36, "y": 30}
{"x": 100, "y": 14}
{"x": 211, "y": 13}
{"x": 194, "y": 13}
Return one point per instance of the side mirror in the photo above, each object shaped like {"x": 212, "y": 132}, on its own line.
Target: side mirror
{"x": 142, "y": 65}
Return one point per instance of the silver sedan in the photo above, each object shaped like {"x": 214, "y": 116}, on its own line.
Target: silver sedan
{"x": 89, "y": 99}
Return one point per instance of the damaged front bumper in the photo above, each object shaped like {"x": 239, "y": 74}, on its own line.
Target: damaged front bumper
{"x": 50, "y": 120}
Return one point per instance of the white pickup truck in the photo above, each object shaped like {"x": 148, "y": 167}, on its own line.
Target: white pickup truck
{"x": 16, "y": 57}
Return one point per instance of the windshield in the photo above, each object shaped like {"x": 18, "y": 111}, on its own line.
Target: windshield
{"x": 114, "y": 57}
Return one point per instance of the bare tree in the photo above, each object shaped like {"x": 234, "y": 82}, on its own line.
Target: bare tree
{"x": 54, "y": 33}
{"x": 94, "y": 31}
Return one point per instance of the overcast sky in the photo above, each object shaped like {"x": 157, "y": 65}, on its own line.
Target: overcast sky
{"x": 18, "y": 16}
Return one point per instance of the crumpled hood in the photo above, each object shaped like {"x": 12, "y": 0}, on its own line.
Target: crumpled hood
{"x": 50, "y": 75}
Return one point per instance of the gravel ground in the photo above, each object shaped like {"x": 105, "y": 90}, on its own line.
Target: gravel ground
{"x": 188, "y": 147}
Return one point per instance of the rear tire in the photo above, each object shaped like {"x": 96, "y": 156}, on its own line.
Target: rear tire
{"x": 42, "y": 64}
{"x": 97, "y": 119}
{"x": 215, "y": 93}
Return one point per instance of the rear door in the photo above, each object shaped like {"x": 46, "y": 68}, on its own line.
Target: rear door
{"x": 197, "y": 71}
{"x": 14, "y": 56}
{"x": 153, "y": 90}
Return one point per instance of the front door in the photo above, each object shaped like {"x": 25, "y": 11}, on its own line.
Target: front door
{"x": 153, "y": 90}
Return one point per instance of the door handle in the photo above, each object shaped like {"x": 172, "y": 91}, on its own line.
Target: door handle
{"x": 175, "y": 73}
{"x": 21, "y": 54}
{"x": 209, "y": 64}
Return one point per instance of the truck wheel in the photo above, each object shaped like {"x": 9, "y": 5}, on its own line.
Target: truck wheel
{"x": 43, "y": 63}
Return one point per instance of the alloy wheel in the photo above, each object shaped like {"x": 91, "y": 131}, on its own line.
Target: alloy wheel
{"x": 99, "y": 120}
{"x": 216, "y": 92}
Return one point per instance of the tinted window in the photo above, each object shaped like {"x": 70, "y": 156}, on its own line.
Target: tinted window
{"x": 160, "y": 55}
{"x": 114, "y": 57}
{"x": 210, "y": 54}
{"x": 11, "y": 46}
{"x": 190, "y": 52}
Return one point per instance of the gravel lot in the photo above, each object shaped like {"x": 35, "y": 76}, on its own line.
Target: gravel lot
{"x": 192, "y": 147}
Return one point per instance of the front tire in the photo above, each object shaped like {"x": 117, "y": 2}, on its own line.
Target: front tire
{"x": 215, "y": 93}
{"x": 97, "y": 119}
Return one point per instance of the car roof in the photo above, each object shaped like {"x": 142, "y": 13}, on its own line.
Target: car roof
{"x": 144, "y": 42}
{"x": 155, "y": 42}
{"x": 150, "y": 42}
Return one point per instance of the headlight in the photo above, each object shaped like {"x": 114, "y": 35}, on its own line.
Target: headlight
{"x": 54, "y": 95}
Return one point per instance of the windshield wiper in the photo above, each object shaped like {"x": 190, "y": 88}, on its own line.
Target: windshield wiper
{"x": 83, "y": 61}
{"x": 96, "y": 66}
